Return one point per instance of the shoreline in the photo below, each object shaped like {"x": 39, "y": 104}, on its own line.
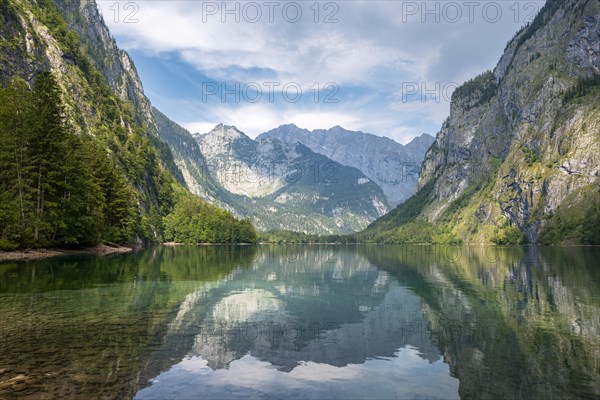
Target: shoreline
{"x": 37, "y": 254}
{"x": 108, "y": 249}
{"x": 563, "y": 245}
{"x": 177, "y": 244}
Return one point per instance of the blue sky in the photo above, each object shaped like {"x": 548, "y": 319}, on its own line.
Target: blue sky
{"x": 384, "y": 67}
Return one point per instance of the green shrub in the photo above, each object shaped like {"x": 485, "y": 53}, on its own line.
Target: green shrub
{"x": 508, "y": 235}
{"x": 7, "y": 245}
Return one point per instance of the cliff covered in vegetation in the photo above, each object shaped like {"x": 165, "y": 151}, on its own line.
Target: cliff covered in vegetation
{"x": 517, "y": 161}
{"x": 80, "y": 158}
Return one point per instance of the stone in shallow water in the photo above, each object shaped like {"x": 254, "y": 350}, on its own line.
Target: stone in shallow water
{"x": 18, "y": 387}
{"x": 12, "y": 382}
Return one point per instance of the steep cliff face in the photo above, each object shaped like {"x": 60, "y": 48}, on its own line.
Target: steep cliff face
{"x": 103, "y": 101}
{"x": 113, "y": 63}
{"x": 35, "y": 38}
{"x": 521, "y": 148}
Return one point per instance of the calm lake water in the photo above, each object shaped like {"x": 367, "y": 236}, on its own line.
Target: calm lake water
{"x": 320, "y": 322}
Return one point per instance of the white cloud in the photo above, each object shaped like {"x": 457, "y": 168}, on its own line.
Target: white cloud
{"x": 431, "y": 111}
{"x": 370, "y": 52}
{"x": 304, "y": 52}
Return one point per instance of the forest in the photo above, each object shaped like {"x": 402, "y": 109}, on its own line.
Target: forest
{"x": 62, "y": 188}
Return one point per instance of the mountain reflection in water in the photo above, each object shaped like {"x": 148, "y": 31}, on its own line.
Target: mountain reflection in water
{"x": 304, "y": 322}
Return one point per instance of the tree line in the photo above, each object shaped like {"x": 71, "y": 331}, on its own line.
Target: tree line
{"x": 63, "y": 188}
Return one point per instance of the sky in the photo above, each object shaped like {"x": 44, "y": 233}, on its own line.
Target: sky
{"x": 383, "y": 67}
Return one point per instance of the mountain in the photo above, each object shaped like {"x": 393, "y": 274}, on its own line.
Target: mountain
{"x": 518, "y": 159}
{"x": 80, "y": 157}
{"x": 187, "y": 156}
{"x": 108, "y": 59}
{"x": 279, "y": 186}
{"x": 419, "y": 145}
{"x": 392, "y": 166}
{"x": 287, "y": 186}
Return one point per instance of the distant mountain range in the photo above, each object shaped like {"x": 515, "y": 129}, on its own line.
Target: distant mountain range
{"x": 280, "y": 185}
{"x": 394, "y": 167}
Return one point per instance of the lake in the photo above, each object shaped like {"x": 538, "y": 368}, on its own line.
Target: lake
{"x": 304, "y": 322}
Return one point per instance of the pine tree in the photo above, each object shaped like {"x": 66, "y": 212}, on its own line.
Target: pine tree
{"x": 15, "y": 194}
{"x": 47, "y": 152}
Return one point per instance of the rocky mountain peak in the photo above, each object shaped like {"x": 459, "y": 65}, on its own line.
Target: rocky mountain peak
{"x": 289, "y": 126}
{"x": 420, "y": 143}
{"x": 227, "y": 131}
{"x": 284, "y": 185}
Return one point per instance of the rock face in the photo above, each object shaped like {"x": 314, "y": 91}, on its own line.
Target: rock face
{"x": 392, "y": 166}
{"x": 521, "y": 147}
{"x": 584, "y": 49}
{"x": 41, "y": 50}
{"x": 243, "y": 166}
{"x": 283, "y": 185}
{"x": 112, "y": 62}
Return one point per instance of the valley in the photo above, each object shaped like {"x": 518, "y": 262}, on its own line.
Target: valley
{"x": 168, "y": 231}
{"x": 508, "y": 166}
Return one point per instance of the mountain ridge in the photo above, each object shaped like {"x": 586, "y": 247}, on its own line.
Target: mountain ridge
{"x": 277, "y": 177}
{"x": 393, "y": 166}
{"x": 279, "y": 185}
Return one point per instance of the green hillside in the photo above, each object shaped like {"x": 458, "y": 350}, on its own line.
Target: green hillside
{"x": 80, "y": 161}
